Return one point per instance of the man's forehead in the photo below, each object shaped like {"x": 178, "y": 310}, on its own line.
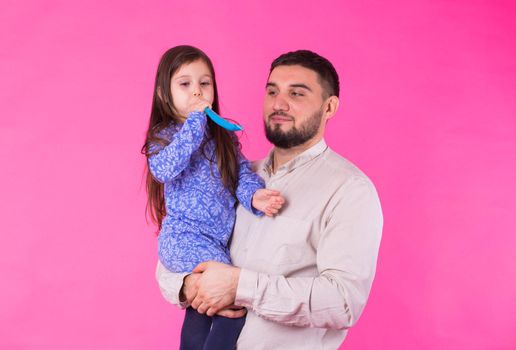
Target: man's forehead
{"x": 292, "y": 75}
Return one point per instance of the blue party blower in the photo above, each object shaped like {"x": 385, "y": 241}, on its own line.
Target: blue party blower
{"x": 221, "y": 121}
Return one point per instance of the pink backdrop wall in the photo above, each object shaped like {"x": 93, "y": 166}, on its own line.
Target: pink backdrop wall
{"x": 428, "y": 112}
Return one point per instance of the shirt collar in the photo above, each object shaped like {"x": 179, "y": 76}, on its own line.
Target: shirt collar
{"x": 297, "y": 161}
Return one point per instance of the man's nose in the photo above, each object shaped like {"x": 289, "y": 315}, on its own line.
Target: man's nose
{"x": 280, "y": 103}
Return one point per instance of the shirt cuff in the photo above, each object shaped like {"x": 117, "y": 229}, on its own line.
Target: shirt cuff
{"x": 249, "y": 205}
{"x": 170, "y": 284}
{"x": 246, "y": 289}
{"x": 257, "y": 212}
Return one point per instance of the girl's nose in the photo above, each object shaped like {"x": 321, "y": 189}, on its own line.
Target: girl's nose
{"x": 197, "y": 91}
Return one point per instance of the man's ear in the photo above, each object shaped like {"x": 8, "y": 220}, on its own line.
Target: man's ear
{"x": 332, "y": 105}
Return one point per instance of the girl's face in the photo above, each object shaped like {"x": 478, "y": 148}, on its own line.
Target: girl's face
{"x": 189, "y": 79}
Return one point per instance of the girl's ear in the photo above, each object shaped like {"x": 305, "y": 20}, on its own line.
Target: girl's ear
{"x": 158, "y": 91}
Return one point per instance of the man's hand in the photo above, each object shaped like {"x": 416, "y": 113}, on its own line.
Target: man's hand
{"x": 268, "y": 201}
{"x": 232, "y": 313}
{"x": 216, "y": 288}
{"x": 189, "y": 289}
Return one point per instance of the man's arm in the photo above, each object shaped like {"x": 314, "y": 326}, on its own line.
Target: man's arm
{"x": 346, "y": 259}
{"x": 181, "y": 289}
{"x": 171, "y": 284}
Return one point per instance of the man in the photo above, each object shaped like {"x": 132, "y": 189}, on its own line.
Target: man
{"x": 305, "y": 275}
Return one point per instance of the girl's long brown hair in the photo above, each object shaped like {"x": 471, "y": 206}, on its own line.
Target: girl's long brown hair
{"x": 163, "y": 113}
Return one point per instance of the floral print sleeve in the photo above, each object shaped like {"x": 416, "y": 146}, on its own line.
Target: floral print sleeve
{"x": 248, "y": 183}
{"x": 200, "y": 211}
{"x": 172, "y": 159}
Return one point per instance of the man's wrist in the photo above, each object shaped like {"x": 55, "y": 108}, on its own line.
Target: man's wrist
{"x": 246, "y": 288}
{"x": 170, "y": 283}
{"x": 182, "y": 296}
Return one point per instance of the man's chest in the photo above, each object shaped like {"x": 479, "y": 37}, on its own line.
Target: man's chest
{"x": 286, "y": 243}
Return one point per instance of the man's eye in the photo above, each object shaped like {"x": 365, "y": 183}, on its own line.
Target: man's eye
{"x": 271, "y": 93}
{"x": 296, "y": 94}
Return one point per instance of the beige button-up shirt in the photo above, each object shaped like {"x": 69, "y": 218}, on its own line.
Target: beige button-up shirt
{"x": 306, "y": 273}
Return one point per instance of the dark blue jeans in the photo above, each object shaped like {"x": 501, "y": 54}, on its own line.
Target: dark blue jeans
{"x": 201, "y": 332}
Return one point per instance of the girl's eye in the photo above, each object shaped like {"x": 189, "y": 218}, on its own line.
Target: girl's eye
{"x": 205, "y": 83}
{"x": 185, "y": 83}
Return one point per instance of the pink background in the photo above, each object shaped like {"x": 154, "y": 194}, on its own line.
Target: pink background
{"x": 428, "y": 112}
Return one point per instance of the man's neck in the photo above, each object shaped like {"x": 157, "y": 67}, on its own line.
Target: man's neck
{"x": 282, "y": 156}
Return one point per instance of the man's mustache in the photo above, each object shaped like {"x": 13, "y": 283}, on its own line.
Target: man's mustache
{"x": 280, "y": 113}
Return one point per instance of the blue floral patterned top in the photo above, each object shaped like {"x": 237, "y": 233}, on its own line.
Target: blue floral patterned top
{"x": 200, "y": 210}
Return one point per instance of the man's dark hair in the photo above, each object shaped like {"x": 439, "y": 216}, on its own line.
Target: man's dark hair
{"x": 327, "y": 74}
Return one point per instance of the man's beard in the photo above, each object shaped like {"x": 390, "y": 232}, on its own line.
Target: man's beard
{"x": 295, "y": 136}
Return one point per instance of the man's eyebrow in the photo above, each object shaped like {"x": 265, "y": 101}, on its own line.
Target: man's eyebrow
{"x": 303, "y": 86}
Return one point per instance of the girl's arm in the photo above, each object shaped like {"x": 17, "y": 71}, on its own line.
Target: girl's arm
{"x": 248, "y": 183}
{"x": 172, "y": 159}
{"x": 268, "y": 201}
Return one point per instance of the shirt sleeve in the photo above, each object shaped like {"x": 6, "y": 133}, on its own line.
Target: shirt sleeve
{"x": 170, "y": 284}
{"x": 346, "y": 259}
{"x": 248, "y": 183}
{"x": 172, "y": 159}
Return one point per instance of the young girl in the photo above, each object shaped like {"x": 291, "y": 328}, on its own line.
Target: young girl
{"x": 196, "y": 175}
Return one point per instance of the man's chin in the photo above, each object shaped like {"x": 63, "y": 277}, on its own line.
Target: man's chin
{"x": 280, "y": 128}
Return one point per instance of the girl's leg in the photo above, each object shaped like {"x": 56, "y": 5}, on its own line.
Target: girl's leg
{"x": 195, "y": 329}
{"x": 224, "y": 333}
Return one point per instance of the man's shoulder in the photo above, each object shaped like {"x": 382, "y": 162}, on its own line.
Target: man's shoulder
{"x": 258, "y": 164}
{"x": 330, "y": 163}
{"x": 341, "y": 167}
{"x": 346, "y": 179}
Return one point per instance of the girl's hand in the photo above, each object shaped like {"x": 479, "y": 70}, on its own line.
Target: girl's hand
{"x": 197, "y": 104}
{"x": 268, "y": 201}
